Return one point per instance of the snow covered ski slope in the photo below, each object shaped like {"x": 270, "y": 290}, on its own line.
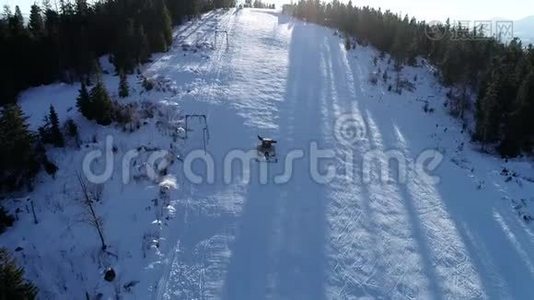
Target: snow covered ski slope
{"x": 460, "y": 238}
{"x": 456, "y": 229}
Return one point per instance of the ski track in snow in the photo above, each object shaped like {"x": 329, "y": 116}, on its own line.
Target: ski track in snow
{"x": 291, "y": 80}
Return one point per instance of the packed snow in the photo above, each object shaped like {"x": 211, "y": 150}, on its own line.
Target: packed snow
{"x": 466, "y": 235}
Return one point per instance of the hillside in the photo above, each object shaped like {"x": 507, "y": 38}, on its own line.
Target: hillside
{"x": 454, "y": 223}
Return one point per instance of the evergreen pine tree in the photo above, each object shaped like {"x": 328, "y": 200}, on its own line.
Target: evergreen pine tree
{"x": 488, "y": 114}
{"x": 70, "y": 36}
{"x": 123, "y": 85}
{"x": 166, "y": 23}
{"x": 56, "y": 137}
{"x": 519, "y": 129}
{"x": 142, "y": 48}
{"x": 72, "y": 128}
{"x": 125, "y": 52}
{"x": 44, "y": 131}
{"x": 12, "y": 282}
{"x": 83, "y": 102}
{"x": 36, "y": 24}
{"x": 17, "y": 156}
{"x": 16, "y": 22}
{"x": 160, "y": 30}
{"x": 101, "y": 104}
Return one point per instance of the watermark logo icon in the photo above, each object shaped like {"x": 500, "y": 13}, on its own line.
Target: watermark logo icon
{"x": 349, "y": 130}
{"x": 504, "y": 30}
{"x": 435, "y": 31}
{"x": 483, "y": 29}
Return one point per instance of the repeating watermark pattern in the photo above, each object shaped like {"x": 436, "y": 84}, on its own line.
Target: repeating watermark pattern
{"x": 502, "y": 30}
{"x": 435, "y": 31}
{"x": 321, "y": 165}
{"x": 348, "y": 130}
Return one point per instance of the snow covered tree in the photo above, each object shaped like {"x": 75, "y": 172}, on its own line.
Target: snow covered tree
{"x": 56, "y": 137}
{"x": 71, "y": 128}
{"x": 96, "y": 105}
{"x": 71, "y": 131}
{"x": 18, "y": 164}
{"x": 123, "y": 85}
{"x": 100, "y": 104}
{"x": 49, "y": 132}
{"x": 44, "y": 131}
{"x": 83, "y": 102}
{"x": 12, "y": 282}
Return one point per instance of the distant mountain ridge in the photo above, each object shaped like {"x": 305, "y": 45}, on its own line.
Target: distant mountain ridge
{"x": 524, "y": 29}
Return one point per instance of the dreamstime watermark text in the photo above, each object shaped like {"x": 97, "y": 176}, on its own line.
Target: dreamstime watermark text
{"x": 320, "y": 165}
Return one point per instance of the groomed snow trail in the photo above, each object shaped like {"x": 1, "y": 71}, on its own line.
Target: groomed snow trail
{"x": 302, "y": 239}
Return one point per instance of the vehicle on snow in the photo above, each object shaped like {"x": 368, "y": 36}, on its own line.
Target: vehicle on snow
{"x": 266, "y": 150}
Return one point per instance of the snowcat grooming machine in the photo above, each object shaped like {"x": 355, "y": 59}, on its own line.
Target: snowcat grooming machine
{"x": 266, "y": 150}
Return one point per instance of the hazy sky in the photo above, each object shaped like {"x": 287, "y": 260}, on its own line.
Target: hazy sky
{"x": 422, "y": 9}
